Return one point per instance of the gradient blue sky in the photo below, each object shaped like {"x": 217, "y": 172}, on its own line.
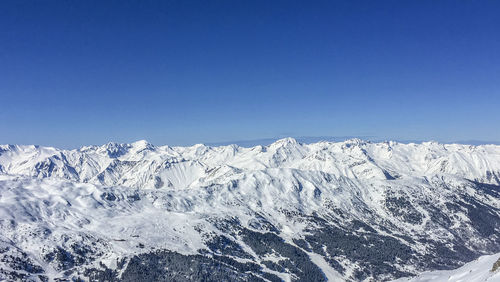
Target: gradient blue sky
{"x": 185, "y": 72}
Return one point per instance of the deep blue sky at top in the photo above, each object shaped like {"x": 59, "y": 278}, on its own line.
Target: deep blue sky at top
{"x": 184, "y": 72}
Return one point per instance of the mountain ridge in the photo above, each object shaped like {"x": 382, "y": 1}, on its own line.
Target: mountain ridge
{"x": 475, "y": 162}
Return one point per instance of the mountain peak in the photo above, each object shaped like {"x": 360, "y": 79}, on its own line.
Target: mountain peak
{"x": 354, "y": 142}
{"x": 286, "y": 141}
{"x": 141, "y": 145}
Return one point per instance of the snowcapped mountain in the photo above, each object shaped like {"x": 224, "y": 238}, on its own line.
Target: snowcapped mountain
{"x": 350, "y": 210}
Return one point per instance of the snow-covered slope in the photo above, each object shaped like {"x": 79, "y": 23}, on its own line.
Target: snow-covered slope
{"x": 288, "y": 211}
{"x": 479, "y": 270}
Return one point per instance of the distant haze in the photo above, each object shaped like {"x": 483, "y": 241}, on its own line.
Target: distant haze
{"x": 313, "y": 139}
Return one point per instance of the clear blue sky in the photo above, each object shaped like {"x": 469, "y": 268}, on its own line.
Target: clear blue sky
{"x": 185, "y": 72}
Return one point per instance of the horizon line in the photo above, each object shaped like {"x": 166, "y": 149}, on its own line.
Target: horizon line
{"x": 248, "y": 143}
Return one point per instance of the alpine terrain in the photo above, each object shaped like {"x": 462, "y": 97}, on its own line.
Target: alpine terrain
{"x": 353, "y": 210}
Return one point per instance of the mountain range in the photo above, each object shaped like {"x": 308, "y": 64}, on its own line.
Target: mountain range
{"x": 340, "y": 211}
